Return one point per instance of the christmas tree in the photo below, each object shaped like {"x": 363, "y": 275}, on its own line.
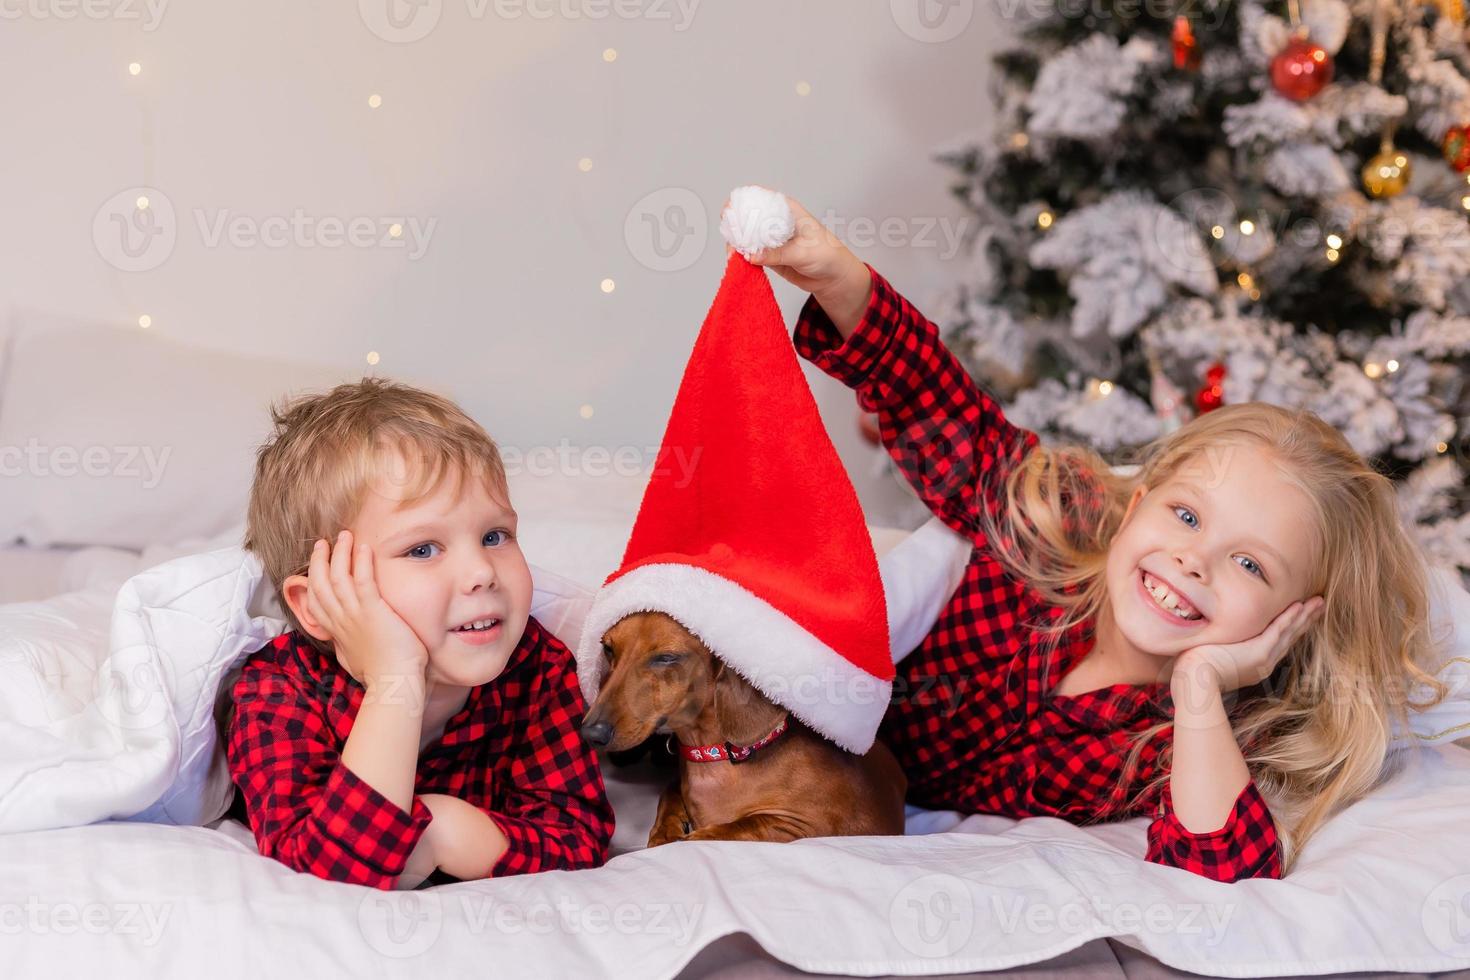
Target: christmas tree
{"x": 1227, "y": 202}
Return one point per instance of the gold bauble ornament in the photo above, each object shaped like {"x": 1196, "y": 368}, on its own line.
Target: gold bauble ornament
{"x": 1451, "y": 10}
{"x": 1387, "y": 174}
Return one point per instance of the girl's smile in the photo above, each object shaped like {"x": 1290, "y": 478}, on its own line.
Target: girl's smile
{"x": 1148, "y": 599}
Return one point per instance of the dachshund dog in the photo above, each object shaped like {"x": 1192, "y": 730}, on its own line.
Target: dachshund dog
{"x": 660, "y": 678}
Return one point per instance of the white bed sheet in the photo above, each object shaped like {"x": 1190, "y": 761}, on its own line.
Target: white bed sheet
{"x": 1384, "y": 887}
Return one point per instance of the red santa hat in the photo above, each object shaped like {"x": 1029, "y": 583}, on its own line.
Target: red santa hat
{"x": 756, "y": 542}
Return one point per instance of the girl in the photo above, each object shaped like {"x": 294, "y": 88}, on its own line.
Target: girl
{"x": 1220, "y": 640}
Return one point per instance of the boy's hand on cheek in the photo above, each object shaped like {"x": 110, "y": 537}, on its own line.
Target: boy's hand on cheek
{"x": 372, "y": 642}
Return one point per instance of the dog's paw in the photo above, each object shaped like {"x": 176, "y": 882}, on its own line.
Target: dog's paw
{"x": 667, "y": 835}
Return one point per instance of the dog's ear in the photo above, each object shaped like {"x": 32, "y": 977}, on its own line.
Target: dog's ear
{"x": 741, "y": 708}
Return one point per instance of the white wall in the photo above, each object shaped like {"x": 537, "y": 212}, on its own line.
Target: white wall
{"x": 259, "y": 110}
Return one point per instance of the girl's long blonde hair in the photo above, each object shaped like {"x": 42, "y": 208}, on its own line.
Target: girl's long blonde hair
{"x": 1316, "y": 734}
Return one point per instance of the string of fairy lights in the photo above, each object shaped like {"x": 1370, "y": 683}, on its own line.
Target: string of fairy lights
{"x": 607, "y": 285}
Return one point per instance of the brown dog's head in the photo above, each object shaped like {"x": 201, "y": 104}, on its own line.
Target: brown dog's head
{"x": 658, "y": 677}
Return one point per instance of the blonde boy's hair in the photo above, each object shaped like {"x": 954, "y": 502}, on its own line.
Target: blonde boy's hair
{"x": 327, "y": 451}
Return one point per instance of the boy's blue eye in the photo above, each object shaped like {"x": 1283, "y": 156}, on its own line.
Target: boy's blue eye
{"x": 496, "y": 537}
{"x": 419, "y": 550}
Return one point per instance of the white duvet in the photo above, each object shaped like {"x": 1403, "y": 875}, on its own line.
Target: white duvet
{"x": 1385, "y": 886}
{"x": 105, "y": 712}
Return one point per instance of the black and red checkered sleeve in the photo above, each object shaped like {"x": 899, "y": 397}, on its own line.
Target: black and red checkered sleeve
{"x": 554, "y": 809}
{"x": 306, "y": 809}
{"x": 1245, "y": 846}
{"x": 949, "y": 437}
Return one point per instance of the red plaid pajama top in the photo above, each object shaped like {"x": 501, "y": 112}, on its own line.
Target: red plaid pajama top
{"x": 514, "y": 750}
{"x": 971, "y": 719}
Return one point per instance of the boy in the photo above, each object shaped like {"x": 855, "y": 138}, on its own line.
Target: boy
{"x": 414, "y": 717}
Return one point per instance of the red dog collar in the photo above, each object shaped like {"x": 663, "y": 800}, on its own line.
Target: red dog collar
{"x": 730, "y": 752}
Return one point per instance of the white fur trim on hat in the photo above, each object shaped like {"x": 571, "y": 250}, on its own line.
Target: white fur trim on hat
{"x": 780, "y": 658}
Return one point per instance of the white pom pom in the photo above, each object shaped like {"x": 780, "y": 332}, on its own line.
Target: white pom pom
{"x": 757, "y": 219}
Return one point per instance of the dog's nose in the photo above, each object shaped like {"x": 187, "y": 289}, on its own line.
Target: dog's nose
{"x": 597, "y": 733}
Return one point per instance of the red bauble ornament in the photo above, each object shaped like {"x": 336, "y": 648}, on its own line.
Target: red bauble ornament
{"x": 1187, "y": 53}
{"x": 1212, "y": 394}
{"x": 1301, "y": 70}
{"x": 1457, "y": 147}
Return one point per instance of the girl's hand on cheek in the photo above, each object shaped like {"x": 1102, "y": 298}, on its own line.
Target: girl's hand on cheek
{"x": 1237, "y": 665}
{"x": 371, "y": 640}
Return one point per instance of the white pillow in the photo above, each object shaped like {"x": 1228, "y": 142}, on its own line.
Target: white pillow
{"x": 125, "y": 437}
{"x": 1449, "y": 619}
{"x": 108, "y": 695}
{"x": 201, "y": 614}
